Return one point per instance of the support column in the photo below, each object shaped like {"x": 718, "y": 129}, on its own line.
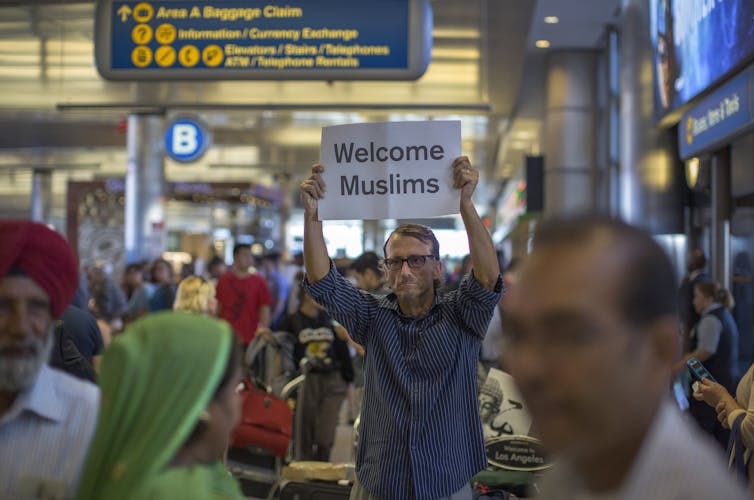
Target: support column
{"x": 570, "y": 132}
{"x": 41, "y": 195}
{"x": 720, "y": 218}
{"x": 651, "y": 176}
{"x": 286, "y": 187}
{"x": 145, "y": 188}
{"x": 372, "y": 238}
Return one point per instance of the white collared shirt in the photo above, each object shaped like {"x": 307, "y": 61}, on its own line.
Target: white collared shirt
{"x": 45, "y": 436}
{"x": 677, "y": 461}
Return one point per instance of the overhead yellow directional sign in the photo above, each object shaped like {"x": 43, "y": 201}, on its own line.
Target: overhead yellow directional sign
{"x": 141, "y": 56}
{"x": 141, "y": 34}
{"x": 165, "y": 56}
{"x": 143, "y": 12}
{"x": 262, "y": 39}
{"x": 124, "y": 11}
{"x": 188, "y": 56}
{"x": 165, "y": 33}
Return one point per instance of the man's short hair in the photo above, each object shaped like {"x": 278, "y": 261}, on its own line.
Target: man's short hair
{"x": 647, "y": 281}
{"x": 133, "y": 267}
{"x": 367, "y": 260}
{"x": 215, "y": 261}
{"x": 240, "y": 246}
{"x": 697, "y": 259}
{"x": 418, "y": 231}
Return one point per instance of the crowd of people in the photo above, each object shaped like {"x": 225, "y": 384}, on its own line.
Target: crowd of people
{"x": 140, "y": 403}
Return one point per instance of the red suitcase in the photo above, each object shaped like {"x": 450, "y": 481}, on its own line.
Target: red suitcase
{"x": 266, "y": 421}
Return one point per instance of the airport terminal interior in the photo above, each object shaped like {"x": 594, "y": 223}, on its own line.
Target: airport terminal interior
{"x": 66, "y": 127}
{"x": 177, "y": 130}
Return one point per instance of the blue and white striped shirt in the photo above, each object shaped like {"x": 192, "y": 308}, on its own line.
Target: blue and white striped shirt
{"x": 45, "y": 436}
{"x": 421, "y": 436}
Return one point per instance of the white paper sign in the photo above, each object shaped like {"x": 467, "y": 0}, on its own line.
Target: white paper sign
{"x": 389, "y": 170}
{"x": 501, "y": 407}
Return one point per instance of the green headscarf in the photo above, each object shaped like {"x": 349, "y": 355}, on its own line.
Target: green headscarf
{"x": 156, "y": 378}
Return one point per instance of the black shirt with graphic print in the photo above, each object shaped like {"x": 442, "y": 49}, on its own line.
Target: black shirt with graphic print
{"x": 317, "y": 342}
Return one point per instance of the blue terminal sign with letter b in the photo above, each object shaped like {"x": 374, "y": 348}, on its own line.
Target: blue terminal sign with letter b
{"x": 186, "y": 140}
{"x": 263, "y": 39}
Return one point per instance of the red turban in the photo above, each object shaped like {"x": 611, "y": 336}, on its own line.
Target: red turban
{"x": 44, "y": 256}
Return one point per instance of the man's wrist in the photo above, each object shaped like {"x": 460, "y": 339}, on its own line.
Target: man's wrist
{"x": 467, "y": 205}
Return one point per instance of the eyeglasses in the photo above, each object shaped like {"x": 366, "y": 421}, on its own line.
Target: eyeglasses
{"x": 414, "y": 261}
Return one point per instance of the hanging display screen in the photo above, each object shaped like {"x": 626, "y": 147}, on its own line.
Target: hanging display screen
{"x": 696, "y": 43}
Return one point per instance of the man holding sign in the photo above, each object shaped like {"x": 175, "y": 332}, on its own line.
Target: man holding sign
{"x": 421, "y": 435}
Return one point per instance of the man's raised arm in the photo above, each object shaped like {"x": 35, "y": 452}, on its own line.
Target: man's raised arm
{"x": 316, "y": 259}
{"x": 483, "y": 256}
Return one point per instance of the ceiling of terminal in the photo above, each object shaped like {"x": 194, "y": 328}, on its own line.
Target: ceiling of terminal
{"x": 55, "y": 110}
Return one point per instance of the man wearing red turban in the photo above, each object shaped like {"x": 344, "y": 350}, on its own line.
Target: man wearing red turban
{"x": 47, "y": 417}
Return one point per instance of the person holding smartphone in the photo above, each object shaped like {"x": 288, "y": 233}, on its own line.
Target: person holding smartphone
{"x": 732, "y": 413}
{"x": 714, "y": 342}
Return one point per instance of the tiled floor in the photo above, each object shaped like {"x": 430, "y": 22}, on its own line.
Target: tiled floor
{"x": 342, "y": 450}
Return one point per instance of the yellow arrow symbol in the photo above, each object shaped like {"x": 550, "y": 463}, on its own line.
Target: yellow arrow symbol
{"x": 124, "y": 12}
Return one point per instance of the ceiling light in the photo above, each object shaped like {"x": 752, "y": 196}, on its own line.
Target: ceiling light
{"x": 469, "y": 33}
{"x": 542, "y": 44}
{"x": 552, "y": 19}
{"x": 454, "y": 53}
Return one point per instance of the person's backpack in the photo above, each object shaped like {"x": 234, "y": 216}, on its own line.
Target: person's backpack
{"x": 66, "y": 356}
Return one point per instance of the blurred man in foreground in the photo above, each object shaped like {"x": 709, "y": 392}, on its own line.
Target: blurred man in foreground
{"x": 591, "y": 336}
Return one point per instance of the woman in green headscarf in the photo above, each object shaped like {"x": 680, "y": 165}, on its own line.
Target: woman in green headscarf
{"x": 168, "y": 406}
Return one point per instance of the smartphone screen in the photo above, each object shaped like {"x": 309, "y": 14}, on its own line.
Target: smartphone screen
{"x": 697, "y": 369}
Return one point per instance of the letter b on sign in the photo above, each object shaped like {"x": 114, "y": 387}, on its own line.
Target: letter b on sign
{"x": 186, "y": 140}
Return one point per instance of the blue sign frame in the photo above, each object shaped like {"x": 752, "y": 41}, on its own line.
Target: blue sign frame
{"x": 255, "y": 39}
{"x": 718, "y": 117}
